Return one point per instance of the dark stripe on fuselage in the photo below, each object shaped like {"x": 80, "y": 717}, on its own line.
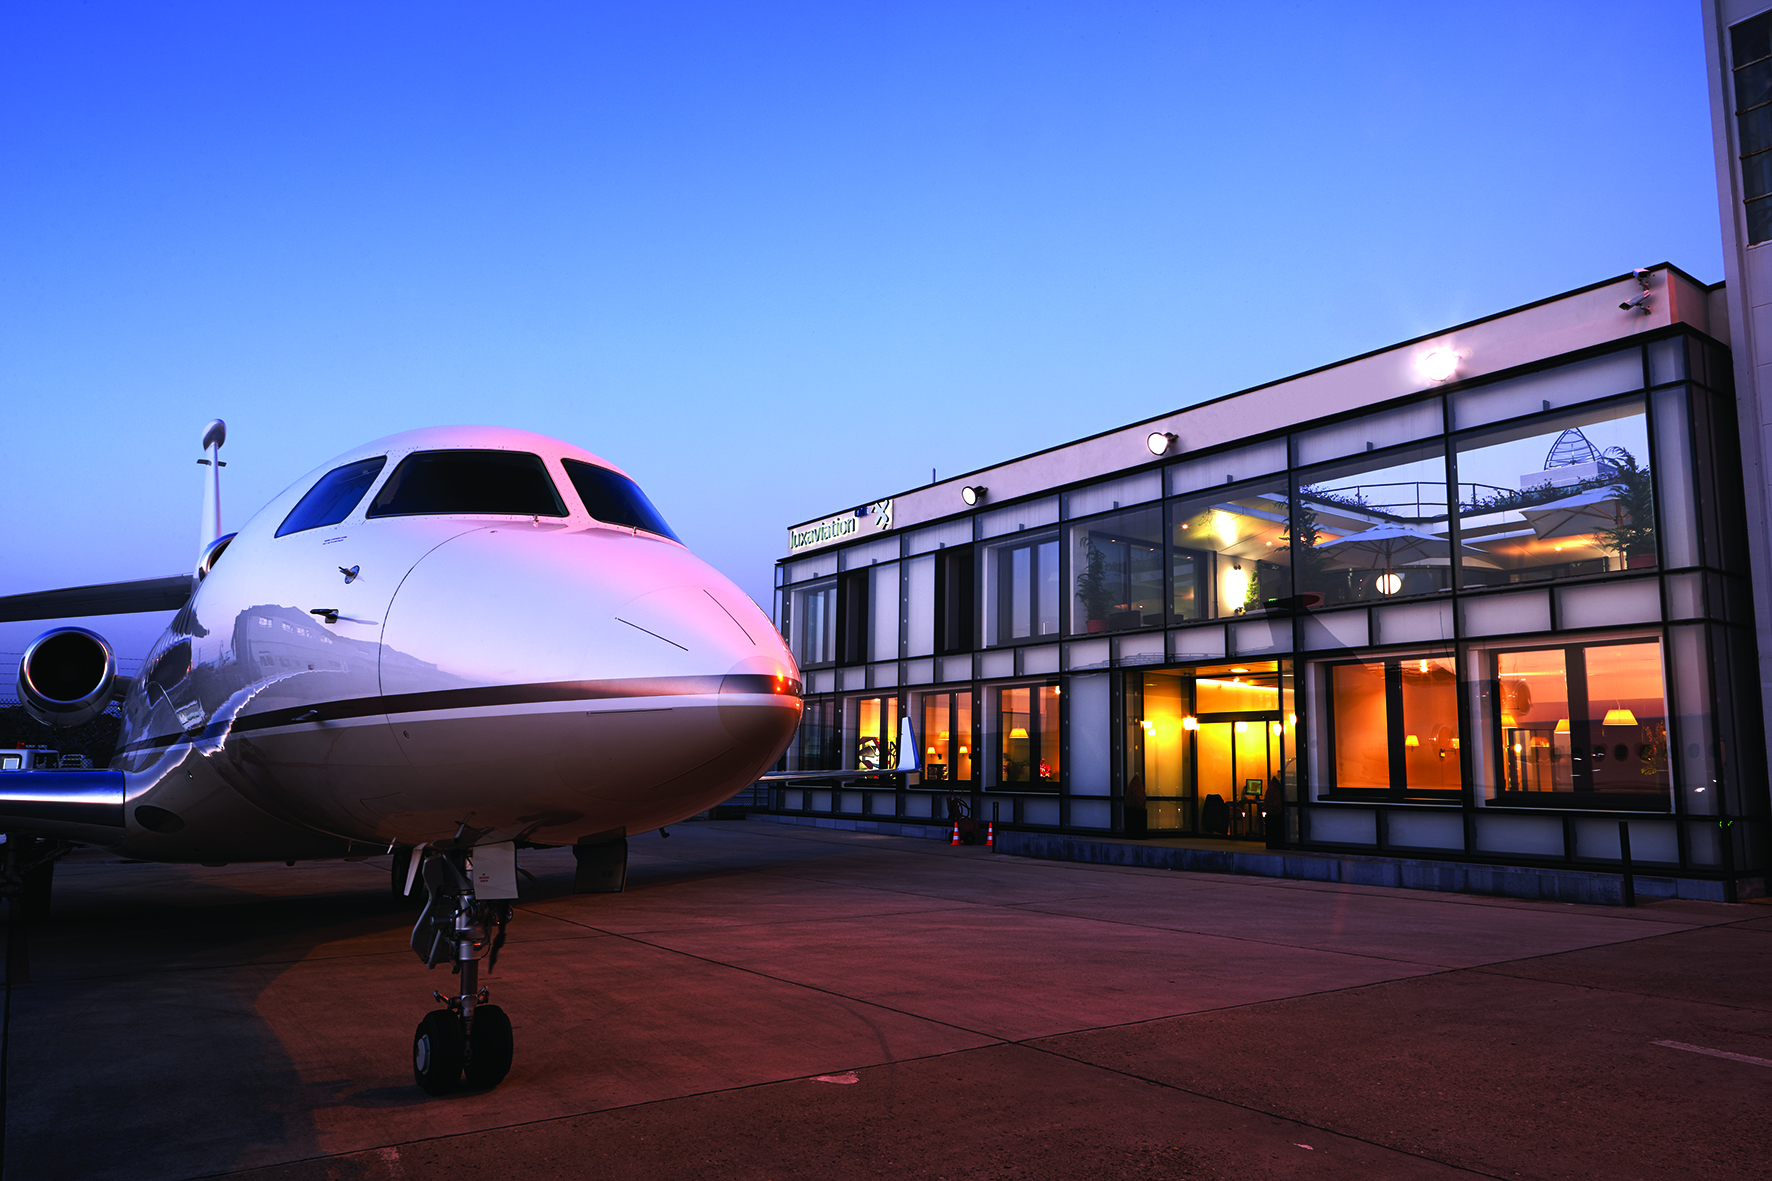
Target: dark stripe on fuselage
{"x": 481, "y": 697}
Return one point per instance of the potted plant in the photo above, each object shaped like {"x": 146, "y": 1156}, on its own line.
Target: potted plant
{"x": 1632, "y": 535}
{"x": 1092, "y": 588}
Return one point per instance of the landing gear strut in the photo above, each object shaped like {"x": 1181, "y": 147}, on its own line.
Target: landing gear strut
{"x": 469, "y": 1039}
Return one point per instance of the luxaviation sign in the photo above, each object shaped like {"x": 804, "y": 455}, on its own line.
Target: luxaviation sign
{"x": 874, "y": 518}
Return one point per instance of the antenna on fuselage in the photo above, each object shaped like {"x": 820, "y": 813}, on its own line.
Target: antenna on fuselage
{"x": 214, "y": 435}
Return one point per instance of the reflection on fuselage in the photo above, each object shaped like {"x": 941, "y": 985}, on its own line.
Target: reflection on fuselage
{"x": 388, "y": 680}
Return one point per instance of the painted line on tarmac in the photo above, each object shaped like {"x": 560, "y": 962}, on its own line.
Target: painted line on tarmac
{"x": 1748, "y": 1058}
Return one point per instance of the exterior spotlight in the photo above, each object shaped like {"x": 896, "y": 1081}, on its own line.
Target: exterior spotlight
{"x": 1441, "y": 364}
{"x": 972, "y": 493}
{"x": 1160, "y": 441}
{"x": 1389, "y": 584}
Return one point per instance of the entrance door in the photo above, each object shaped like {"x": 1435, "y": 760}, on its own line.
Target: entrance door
{"x": 1235, "y": 762}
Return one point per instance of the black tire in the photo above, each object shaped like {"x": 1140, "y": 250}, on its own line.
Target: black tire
{"x": 437, "y": 1052}
{"x": 490, "y": 1050}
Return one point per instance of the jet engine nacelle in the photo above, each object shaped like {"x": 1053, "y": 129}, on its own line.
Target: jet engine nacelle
{"x": 67, "y": 676}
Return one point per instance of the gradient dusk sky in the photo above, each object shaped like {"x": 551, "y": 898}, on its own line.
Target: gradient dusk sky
{"x": 773, "y": 259}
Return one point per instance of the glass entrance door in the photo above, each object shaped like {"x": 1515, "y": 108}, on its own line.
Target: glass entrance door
{"x": 1236, "y": 762}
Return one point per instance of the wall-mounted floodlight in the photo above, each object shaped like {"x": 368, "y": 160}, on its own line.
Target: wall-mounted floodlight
{"x": 1160, "y": 441}
{"x": 972, "y": 493}
{"x": 1439, "y": 364}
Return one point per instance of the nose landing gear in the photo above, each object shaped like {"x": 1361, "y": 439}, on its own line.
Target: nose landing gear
{"x": 469, "y": 1039}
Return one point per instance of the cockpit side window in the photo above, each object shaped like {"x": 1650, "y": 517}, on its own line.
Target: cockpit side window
{"x": 332, "y": 499}
{"x": 614, "y": 499}
{"x": 502, "y": 482}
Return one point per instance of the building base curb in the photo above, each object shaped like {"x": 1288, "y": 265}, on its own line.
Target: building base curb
{"x": 1541, "y": 883}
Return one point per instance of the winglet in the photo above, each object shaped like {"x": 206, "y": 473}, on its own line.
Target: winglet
{"x": 907, "y": 748}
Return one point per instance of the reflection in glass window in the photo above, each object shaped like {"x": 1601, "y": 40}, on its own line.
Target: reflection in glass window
{"x": 815, "y": 742}
{"x": 947, "y": 737}
{"x": 1583, "y": 725}
{"x": 1557, "y": 499}
{"x": 504, "y": 483}
{"x": 872, "y": 732}
{"x": 1228, "y": 551}
{"x": 1370, "y": 530}
{"x": 1393, "y": 727}
{"x": 332, "y": 499}
{"x": 1117, "y": 572}
{"x": 1021, "y": 589}
{"x": 1027, "y": 735}
{"x": 811, "y": 623}
{"x": 614, "y": 499}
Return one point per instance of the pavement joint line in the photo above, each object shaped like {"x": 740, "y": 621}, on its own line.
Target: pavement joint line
{"x": 1748, "y": 1058}
{"x": 1355, "y": 1137}
{"x": 1488, "y": 970}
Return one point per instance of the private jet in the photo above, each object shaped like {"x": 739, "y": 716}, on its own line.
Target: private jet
{"x": 447, "y": 644}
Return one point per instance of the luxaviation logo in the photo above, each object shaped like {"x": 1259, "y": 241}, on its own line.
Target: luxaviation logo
{"x": 834, "y": 528}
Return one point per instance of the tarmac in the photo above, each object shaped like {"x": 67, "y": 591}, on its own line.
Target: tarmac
{"x": 770, "y": 1001}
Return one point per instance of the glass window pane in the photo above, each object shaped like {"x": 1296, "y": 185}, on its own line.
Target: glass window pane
{"x": 1047, "y": 558}
{"x": 1750, "y": 40}
{"x": 1755, "y": 129}
{"x": 873, "y": 733}
{"x": 1046, "y": 768}
{"x": 502, "y": 483}
{"x": 1759, "y": 215}
{"x": 1753, "y": 85}
{"x": 1228, "y": 553}
{"x": 614, "y": 499}
{"x": 1374, "y": 530}
{"x": 962, "y": 752}
{"x": 1017, "y": 517}
{"x": 1627, "y": 721}
{"x": 1021, "y": 589}
{"x": 1756, "y": 175}
{"x": 1117, "y": 572}
{"x": 334, "y": 497}
{"x": 1015, "y": 725}
{"x": 812, "y": 623}
{"x": 1557, "y": 499}
{"x": 1430, "y": 725}
{"x": 1359, "y": 722}
{"x": 1537, "y": 739}
{"x": 937, "y": 733}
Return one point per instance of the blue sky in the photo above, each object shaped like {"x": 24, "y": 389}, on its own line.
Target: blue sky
{"x": 773, "y": 259}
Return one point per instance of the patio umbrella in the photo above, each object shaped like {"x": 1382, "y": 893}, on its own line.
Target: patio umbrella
{"x": 1586, "y": 512}
{"x": 1384, "y": 546}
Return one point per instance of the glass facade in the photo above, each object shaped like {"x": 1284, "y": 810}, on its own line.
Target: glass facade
{"x": 1468, "y": 624}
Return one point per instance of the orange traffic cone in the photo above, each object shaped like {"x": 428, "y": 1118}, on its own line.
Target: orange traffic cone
{"x": 956, "y": 837}
{"x": 990, "y": 834}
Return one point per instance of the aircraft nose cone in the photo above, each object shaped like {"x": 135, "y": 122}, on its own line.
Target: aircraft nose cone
{"x": 520, "y": 606}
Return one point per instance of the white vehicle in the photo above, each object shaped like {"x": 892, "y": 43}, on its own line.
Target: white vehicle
{"x": 447, "y": 643}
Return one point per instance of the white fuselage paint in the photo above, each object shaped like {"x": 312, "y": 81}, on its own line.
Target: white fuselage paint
{"x": 544, "y": 679}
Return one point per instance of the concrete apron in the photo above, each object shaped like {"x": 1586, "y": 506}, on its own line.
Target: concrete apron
{"x": 1544, "y": 883}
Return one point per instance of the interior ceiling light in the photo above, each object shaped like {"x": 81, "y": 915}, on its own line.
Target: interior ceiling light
{"x": 1440, "y": 364}
{"x": 1160, "y": 442}
{"x": 1619, "y": 717}
{"x": 972, "y": 493}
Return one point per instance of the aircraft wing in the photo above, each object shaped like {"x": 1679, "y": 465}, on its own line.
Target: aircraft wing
{"x": 106, "y": 598}
{"x": 907, "y": 761}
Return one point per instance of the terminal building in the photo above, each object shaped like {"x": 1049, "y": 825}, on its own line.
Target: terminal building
{"x": 1468, "y": 600}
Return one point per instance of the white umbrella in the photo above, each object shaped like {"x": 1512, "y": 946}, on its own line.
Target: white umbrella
{"x": 1384, "y": 546}
{"x": 1572, "y": 516}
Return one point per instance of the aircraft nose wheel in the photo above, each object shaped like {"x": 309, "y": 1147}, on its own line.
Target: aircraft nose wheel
{"x": 468, "y": 1040}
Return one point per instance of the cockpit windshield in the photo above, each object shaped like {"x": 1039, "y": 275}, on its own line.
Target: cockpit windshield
{"x": 614, "y": 499}
{"x": 499, "y": 482}
{"x": 332, "y": 499}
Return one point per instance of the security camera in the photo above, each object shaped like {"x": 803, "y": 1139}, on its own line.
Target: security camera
{"x": 1641, "y": 275}
{"x": 1638, "y": 303}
